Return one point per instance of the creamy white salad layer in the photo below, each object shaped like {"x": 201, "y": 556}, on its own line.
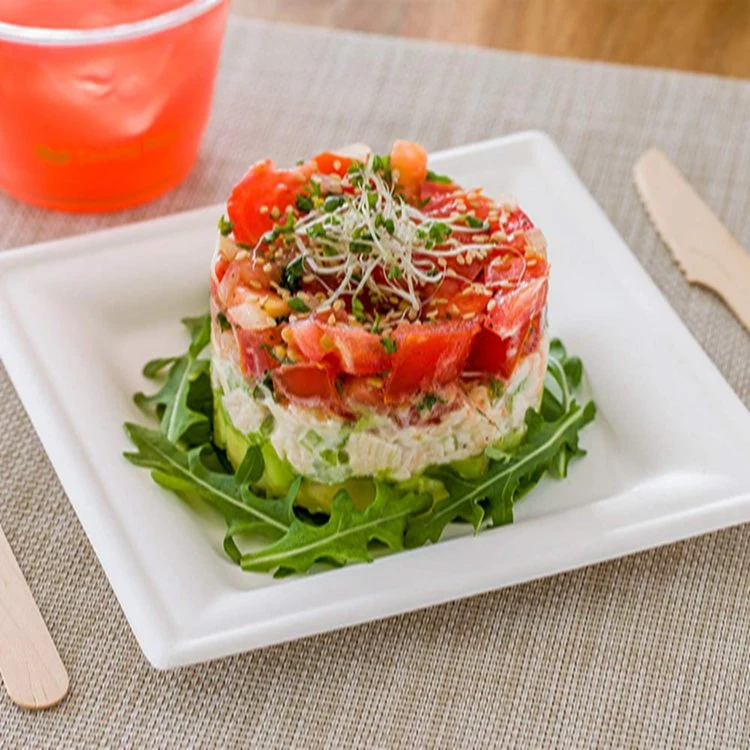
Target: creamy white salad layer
{"x": 330, "y": 449}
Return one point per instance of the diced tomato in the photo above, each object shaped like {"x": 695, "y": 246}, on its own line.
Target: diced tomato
{"x": 428, "y": 355}
{"x": 349, "y": 349}
{"x": 330, "y": 163}
{"x": 255, "y": 350}
{"x": 243, "y": 275}
{"x": 307, "y": 383}
{"x": 220, "y": 268}
{"x": 409, "y": 163}
{"x": 505, "y": 270}
{"x": 517, "y": 221}
{"x": 455, "y": 298}
{"x": 494, "y": 354}
{"x": 253, "y": 199}
{"x": 434, "y": 191}
{"x": 512, "y": 328}
{"x": 515, "y": 307}
{"x": 499, "y": 355}
{"x": 362, "y": 391}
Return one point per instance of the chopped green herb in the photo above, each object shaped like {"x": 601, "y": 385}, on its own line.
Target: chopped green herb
{"x": 304, "y": 203}
{"x": 224, "y": 324}
{"x": 497, "y": 388}
{"x": 286, "y": 228}
{"x": 441, "y": 178}
{"x": 372, "y": 199}
{"x": 311, "y": 439}
{"x": 358, "y": 309}
{"x": 394, "y": 272}
{"x": 291, "y": 276}
{"x": 316, "y": 231}
{"x": 266, "y": 426}
{"x": 376, "y": 323}
{"x": 296, "y": 304}
{"x": 439, "y": 232}
{"x": 382, "y": 164}
{"x": 475, "y": 223}
{"x": 428, "y": 402}
{"x": 225, "y": 226}
{"x": 389, "y": 344}
{"x": 332, "y": 202}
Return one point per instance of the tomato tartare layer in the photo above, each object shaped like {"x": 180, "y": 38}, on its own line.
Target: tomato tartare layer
{"x": 367, "y": 297}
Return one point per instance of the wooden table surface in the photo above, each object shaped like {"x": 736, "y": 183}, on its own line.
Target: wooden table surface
{"x": 710, "y": 36}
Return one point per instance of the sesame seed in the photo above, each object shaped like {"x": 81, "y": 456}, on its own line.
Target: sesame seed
{"x": 393, "y": 299}
{"x": 440, "y": 301}
{"x": 308, "y": 278}
{"x": 275, "y": 213}
{"x": 461, "y": 206}
{"x": 241, "y": 255}
{"x": 331, "y": 320}
{"x": 460, "y": 260}
{"x": 432, "y": 315}
{"x": 286, "y": 334}
{"x": 255, "y": 284}
{"x": 498, "y": 236}
{"x": 491, "y": 305}
{"x": 454, "y": 310}
{"x": 336, "y": 164}
{"x": 468, "y": 315}
{"x": 267, "y": 268}
{"x": 263, "y": 209}
{"x": 339, "y": 304}
{"x": 279, "y": 351}
{"x": 531, "y": 262}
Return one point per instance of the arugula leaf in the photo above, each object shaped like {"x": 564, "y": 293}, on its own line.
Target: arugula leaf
{"x": 184, "y": 472}
{"x": 345, "y": 537}
{"x": 183, "y": 459}
{"x": 172, "y": 402}
{"x": 547, "y": 446}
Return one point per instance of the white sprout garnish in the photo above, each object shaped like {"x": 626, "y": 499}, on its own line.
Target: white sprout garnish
{"x": 349, "y": 237}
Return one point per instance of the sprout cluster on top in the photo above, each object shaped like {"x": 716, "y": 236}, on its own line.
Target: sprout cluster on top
{"x": 346, "y": 238}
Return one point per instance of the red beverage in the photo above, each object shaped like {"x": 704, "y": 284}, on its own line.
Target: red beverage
{"x": 105, "y": 106}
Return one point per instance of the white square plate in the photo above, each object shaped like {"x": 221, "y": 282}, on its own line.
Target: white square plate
{"x": 667, "y": 453}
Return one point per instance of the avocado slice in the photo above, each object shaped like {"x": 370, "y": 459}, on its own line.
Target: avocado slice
{"x": 278, "y": 475}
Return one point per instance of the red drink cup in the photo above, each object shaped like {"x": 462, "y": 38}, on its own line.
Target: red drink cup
{"x": 106, "y": 117}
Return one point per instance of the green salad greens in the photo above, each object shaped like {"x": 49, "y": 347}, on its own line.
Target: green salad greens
{"x": 272, "y": 534}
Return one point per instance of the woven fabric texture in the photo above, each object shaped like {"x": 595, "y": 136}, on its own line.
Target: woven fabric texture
{"x": 647, "y": 651}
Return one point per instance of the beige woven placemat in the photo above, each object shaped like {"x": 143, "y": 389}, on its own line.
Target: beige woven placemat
{"x": 649, "y": 651}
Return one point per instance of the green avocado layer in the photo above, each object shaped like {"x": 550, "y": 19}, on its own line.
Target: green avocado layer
{"x": 317, "y": 497}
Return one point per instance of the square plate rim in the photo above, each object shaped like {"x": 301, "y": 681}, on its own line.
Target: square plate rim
{"x": 161, "y": 643}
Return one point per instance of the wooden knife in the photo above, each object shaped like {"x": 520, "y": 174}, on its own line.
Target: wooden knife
{"x": 703, "y": 248}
